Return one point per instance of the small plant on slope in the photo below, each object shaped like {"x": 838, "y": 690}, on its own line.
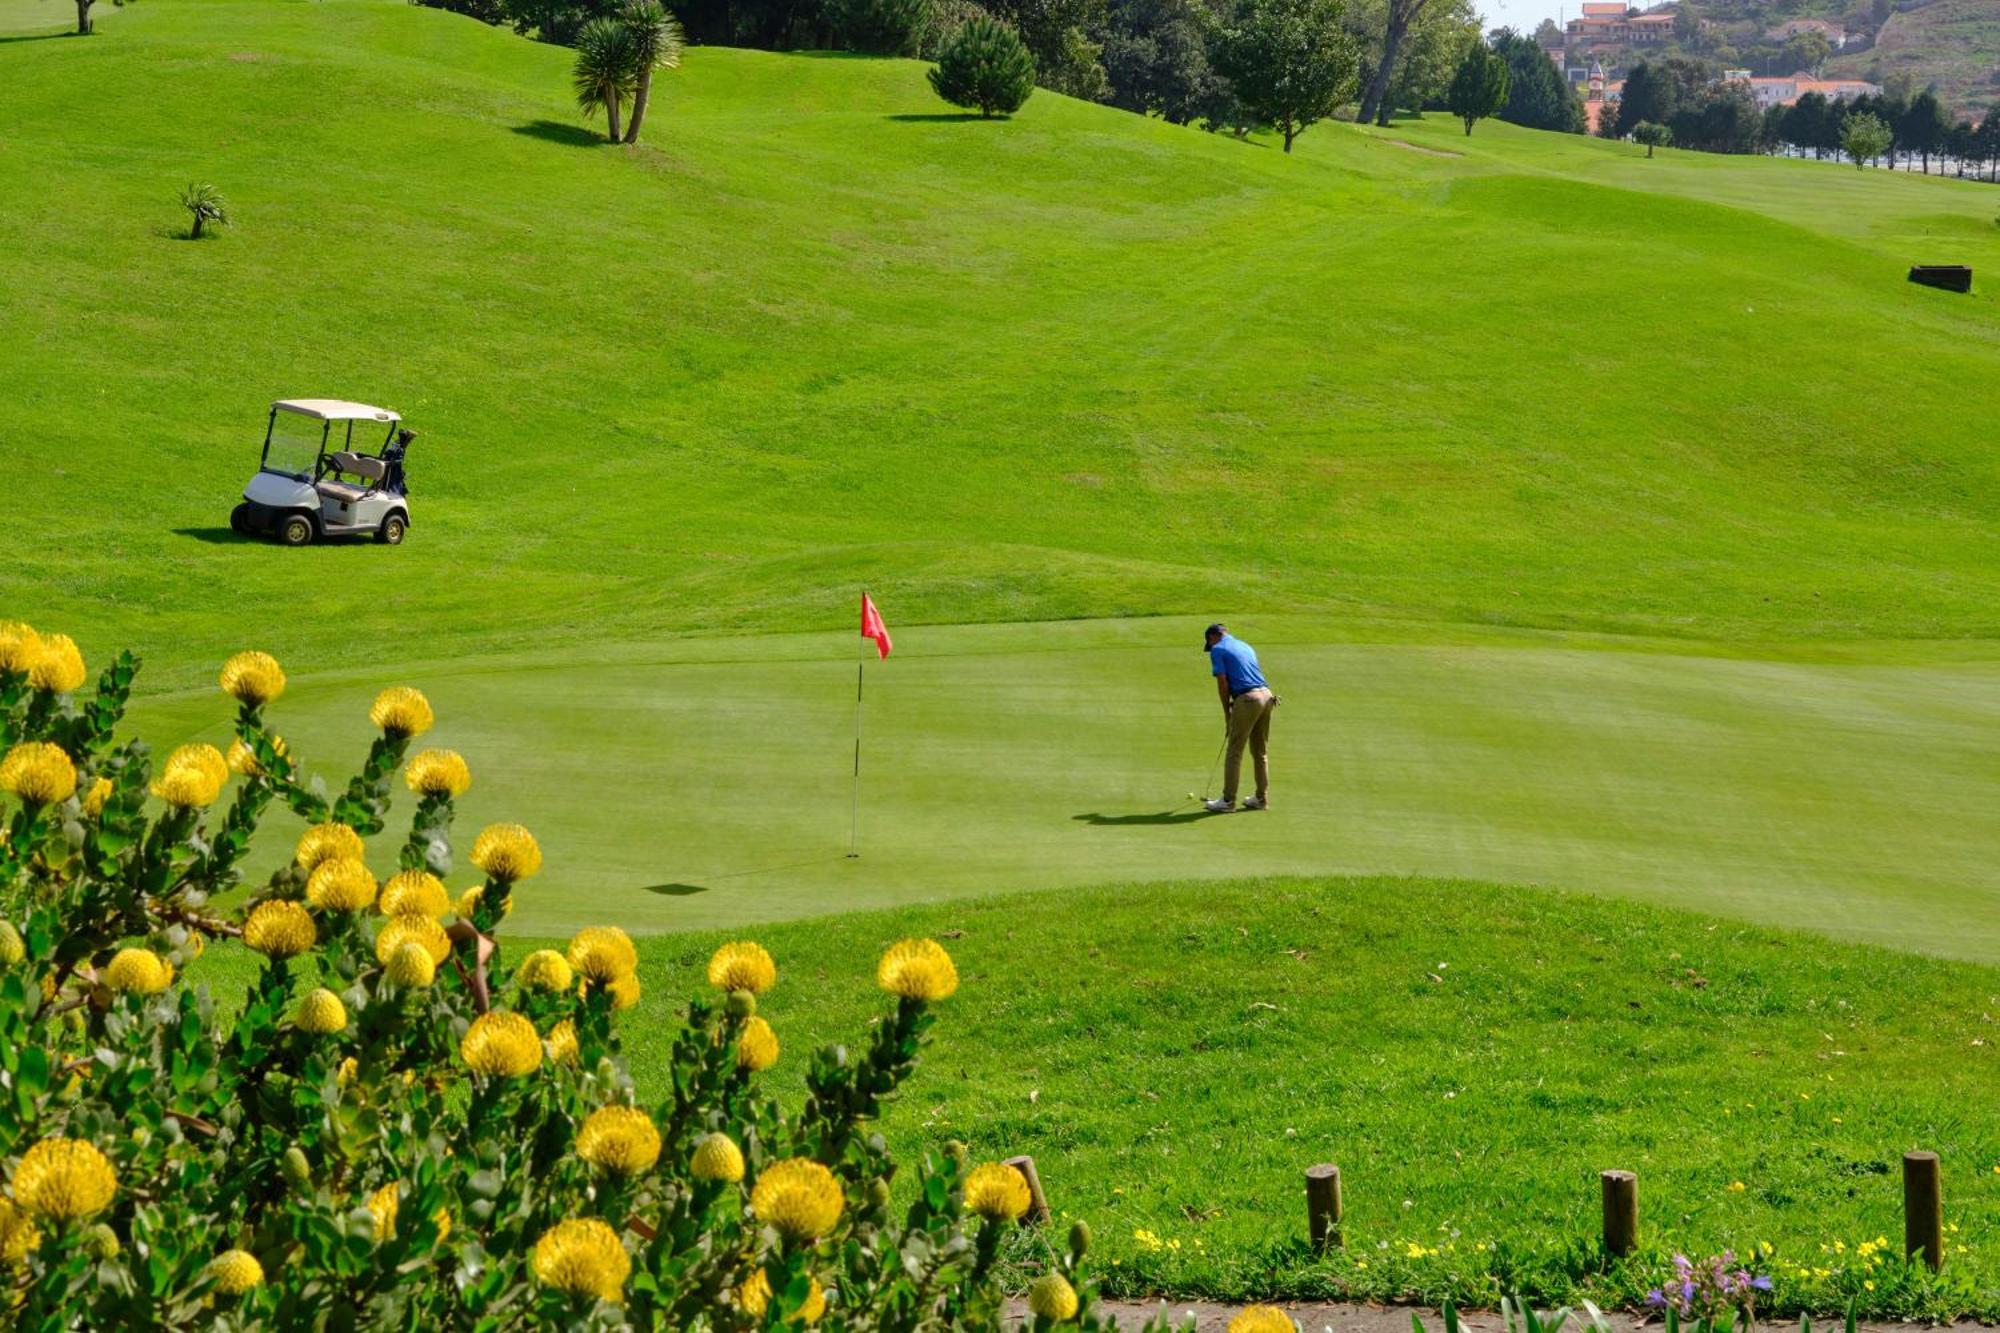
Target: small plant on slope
{"x": 1865, "y": 139}
{"x": 985, "y": 65}
{"x": 1653, "y": 135}
{"x": 1480, "y": 87}
{"x": 657, "y": 41}
{"x": 606, "y": 74}
{"x": 205, "y": 206}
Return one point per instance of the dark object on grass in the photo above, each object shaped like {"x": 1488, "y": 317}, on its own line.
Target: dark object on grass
{"x": 1038, "y": 1203}
{"x": 1621, "y": 1213}
{"x": 1323, "y": 1206}
{"x": 1923, "y": 1209}
{"x": 205, "y": 204}
{"x": 986, "y": 66}
{"x": 1947, "y": 277}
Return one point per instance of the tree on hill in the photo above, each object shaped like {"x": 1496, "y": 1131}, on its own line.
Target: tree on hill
{"x": 1401, "y": 14}
{"x": 1652, "y": 135}
{"x": 987, "y": 66}
{"x": 656, "y": 44}
{"x": 1291, "y": 62}
{"x": 1537, "y": 96}
{"x": 1989, "y": 143}
{"x": 85, "y": 25}
{"x": 1866, "y": 138}
{"x": 1923, "y": 127}
{"x": 877, "y": 27}
{"x": 1059, "y": 35}
{"x": 1156, "y": 58}
{"x": 1480, "y": 87}
{"x": 1808, "y": 51}
{"x": 1961, "y": 145}
{"x": 1430, "y": 57}
{"x": 1805, "y": 123}
{"x": 606, "y": 72}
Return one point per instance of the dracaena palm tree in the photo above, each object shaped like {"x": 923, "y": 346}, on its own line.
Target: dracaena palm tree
{"x": 607, "y": 69}
{"x": 657, "y": 41}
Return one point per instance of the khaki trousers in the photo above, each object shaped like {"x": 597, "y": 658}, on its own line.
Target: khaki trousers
{"x": 1249, "y": 724}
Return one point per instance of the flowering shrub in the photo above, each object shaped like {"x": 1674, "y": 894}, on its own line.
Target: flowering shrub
{"x": 1712, "y": 1294}
{"x": 402, "y": 1125}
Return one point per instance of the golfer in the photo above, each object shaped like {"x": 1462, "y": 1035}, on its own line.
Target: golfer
{"x": 1246, "y": 711}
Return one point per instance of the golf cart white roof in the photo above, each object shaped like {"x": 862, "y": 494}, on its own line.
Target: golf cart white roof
{"x": 334, "y": 409}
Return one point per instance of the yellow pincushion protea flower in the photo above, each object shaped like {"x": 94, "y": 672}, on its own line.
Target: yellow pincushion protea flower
{"x": 18, "y": 1237}
{"x": 137, "y": 972}
{"x": 545, "y": 970}
{"x": 63, "y": 1180}
{"x": 328, "y": 842}
{"x": 620, "y": 1139}
{"x": 506, "y": 852}
{"x": 798, "y": 1197}
{"x": 438, "y": 773}
{"x": 917, "y": 970}
{"x": 382, "y": 1206}
{"x": 1052, "y": 1297}
{"x": 19, "y": 647}
{"x": 742, "y": 965}
{"x": 39, "y": 772}
{"x": 59, "y": 666}
{"x": 235, "y": 1272}
{"x": 321, "y": 1013}
{"x": 757, "y": 1046}
{"x": 562, "y": 1047}
{"x": 410, "y": 966}
{"x": 280, "y": 928}
{"x": 602, "y": 953}
{"x": 414, "y": 893}
{"x": 501, "y": 1044}
{"x": 412, "y": 928}
{"x": 192, "y": 776}
{"x": 717, "y": 1157}
{"x": 341, "y": 885}
{"x": 349, "y": 1068}
{"x": 1262, "y": 1319}
{"x": 583, "y": 1257}
{"x": 94, "y": 799}
{"x": 401, "y": 712}
{"x": 252, "y": 678}
{"x": 996, "y": 1191}
{"x": 624, "y": 991}
{"x": 755, "y": 1298}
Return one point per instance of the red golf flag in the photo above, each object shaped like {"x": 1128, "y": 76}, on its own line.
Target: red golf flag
{"x": 873, "y": 628}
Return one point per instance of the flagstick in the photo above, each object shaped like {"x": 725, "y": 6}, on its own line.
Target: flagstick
{"x": 854, "y": 832}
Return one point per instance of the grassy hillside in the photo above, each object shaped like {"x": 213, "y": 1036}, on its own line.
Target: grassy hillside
{"x": 816, "y": 334}
{"x": 1952, "y": 43}
{"x": 1472, "y": 1056}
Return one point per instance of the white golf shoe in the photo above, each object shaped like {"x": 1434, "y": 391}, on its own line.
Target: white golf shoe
{"x": 1218, "y": 806}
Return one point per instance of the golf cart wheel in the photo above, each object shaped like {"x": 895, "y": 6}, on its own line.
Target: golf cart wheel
{"x": 391, "y": 531}
{"x": 297, "y": 530}
{"x": 239, "y": 520}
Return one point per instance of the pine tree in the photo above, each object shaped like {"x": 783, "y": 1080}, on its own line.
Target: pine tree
{"x": 986, "y": 65}
{"x": 1480, "y": 86}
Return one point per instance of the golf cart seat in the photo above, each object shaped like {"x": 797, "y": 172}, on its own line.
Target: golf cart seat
{"x": 370, "y": 470}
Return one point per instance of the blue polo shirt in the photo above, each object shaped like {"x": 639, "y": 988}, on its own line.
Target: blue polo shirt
{"x": 1237, "y": 660}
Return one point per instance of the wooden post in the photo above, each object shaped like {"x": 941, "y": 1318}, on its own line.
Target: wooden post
{"x": 1038, "y": 1203}
{"x": 1621, "y": 1213}
{"x": 1923, "y": 1209}
{"x": 1323, "y": 1206}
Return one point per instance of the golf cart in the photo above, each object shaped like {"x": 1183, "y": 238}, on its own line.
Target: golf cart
{"x": 313, "y": 483}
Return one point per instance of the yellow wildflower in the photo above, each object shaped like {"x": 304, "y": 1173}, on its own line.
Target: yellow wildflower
{"x": 235, "y": 1272}
{"x": 412, "y": 928}
{"x": 59, "y": 666}
{"x": 438, "y": 773}
{"x": 544, "y": 970}
{"x": 414, "y": 893}
{"x": 63, "y": 1180}
{"x": 602, "y": 953}
{"x": 757, "y": 1047}
{"x": 1052, "y": 1297}
{"x": 18, "y": 1237}
{"x": 717, "y": 1157}
{"x": 501, "y": 1043}
{"x": 401, "y": 712}
{"x": 917, "y": 970}
{"x": 755, "y": 1298}
{"x": 562, "y": 1046}
{"x": 506, "y": 852}
{"x": 341, "y": 885}
{"x": 1262, "y": 1319}
{"x": 12, "y": 947}
{"x": 280, "y": 928}
{"x": 137, "y": 972}
{"x": 583, "y": 1257}
{"x": 619, "y": 1139}
{"x": 382, "y": 1206}
{"x": 410, "y": 966}
{"x": 996, "y": 1191}
{"x": 19, "y": 647}
{"x": 252, "y": 678}
{"x": 347, "y": 1070}
{"x": 328, "y": 842}
{"x": 321, "y": 1013}
{"x": 799, "y": 1197}
{"x": 624, "y": 991}
{"x": 94, "y": 799}
{"x": 742, "y": 965}
{"x": 38, "y": 772}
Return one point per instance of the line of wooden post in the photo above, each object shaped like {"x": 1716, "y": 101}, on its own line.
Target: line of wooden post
{"x": 1923, "y": 1208}
{"x": 1038, "y": 1203}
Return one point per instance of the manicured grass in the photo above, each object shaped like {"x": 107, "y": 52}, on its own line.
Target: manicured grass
{"x": 1173, "y": 1055}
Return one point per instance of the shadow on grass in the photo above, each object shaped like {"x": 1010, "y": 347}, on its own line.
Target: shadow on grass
{"x": 215, "y": 536}
{"x": 674, "y": 890}
{"x": 1162, "y": 817}
{"x": 554, "y": 131}
{"x": 12, "y": 37}
{"x": 940, "y": 117}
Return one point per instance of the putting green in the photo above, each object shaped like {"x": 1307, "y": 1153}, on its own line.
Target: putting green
{"x": 705, "y": 783}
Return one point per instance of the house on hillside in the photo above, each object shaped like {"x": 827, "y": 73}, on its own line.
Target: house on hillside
{"x": 1785, "y": 91}
{"x": 1836, "y": 35}
{"x": 1605, "y": 24}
